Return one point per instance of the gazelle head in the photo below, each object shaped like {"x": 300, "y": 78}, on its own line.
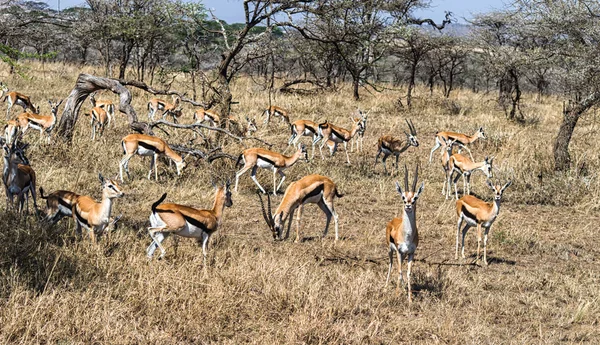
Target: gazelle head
{"x": 177, "y": 112}
{"x": 227, "y": 194}
{"x": 3, "y": 89}
{"x": 410, "y": 197}
{"x": 303, "y": 152}
{"x": 251, "y": 124}
{"x": 93, "y": 99}
{"x": 275, "y": 225}
{"x": 412, "y": 137}
{"x": 480, "y": 133}
{"x": 36, "y": 108}
{"x": 181, "y": 165}
{"x": 110, "y": 188}
{"x": 487, "y": 166}
{"x": 363, "y": 118}
{"x": 498, "y": 188}
{"x": 15, "y": 152}
{"x": 54, "y": 106}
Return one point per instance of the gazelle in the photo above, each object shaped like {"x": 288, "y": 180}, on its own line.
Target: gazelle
{"x": 360, "y": 136}
{"x": 99, "y": 120}
{"x": 42, "y": 123}
{"x": 459, "y": 139}
{"x": 333, "y": 135}
{"x": 255, "y": 158}
{"x": 246, "y": 129}
{"x": 476, "y": 212}
{"x": 19, "y": 178}
{"x": 11, "y": 131}
{"x": 95, "y": 216}
{"x": 389, "y": 145}
{"x": 464, "y": 167}
{"x": 401, "y": 233}
{"x": 17, "y": 98}
{"x": 276, "y": 112}
{"x": 172, "y": 109}
{"x": 107, "y": 105}
{"x": 447, "y": 147}
{"x": 206, "y": 115}
{"x": 302, "y": 128}
{"x": 311, "y": 189}
{"x": 186, "y": 221}
{"x": 147, "y": 145}
{"x": 59, "y": 204}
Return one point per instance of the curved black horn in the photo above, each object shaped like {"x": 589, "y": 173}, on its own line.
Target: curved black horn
{"x": 265, "y": 216}
{"x": 412, "y": 128}
{"x": 405, "y": 178}
{"x": 414, "y": 185}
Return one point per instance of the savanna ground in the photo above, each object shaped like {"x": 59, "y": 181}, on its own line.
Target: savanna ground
{"x": 542, "y": 284}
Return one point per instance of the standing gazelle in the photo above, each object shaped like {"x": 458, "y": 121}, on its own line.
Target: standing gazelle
{"x": 332, "y": 135}
{"x": 255, "y": 158}
{"x": 302, "y": 128}
{"x": 18, "y": 176}
{"x": 147, "y": 145}
{"x": 42, "y": 123}
{"x": 459, "y": 139}
{"x": 389, "y": 145}
{"x": 186, "y": 221}
{"x": 311, "y": 189}
{"x": 107, "y": 105}
{"x": 464, "y": 167}
{"x": 173, "y": 109}
{"x": 95, "y": 216}
{"x": 59, "y": 204}
{"x": 276, "y": 112}
{"x": 401, "y": 233}
{"x": 205, "y": 115}
{"x": 99, "y": 120}
{"x": 360, "y": 136}
{"x": 17, "y": 98}
{"x": 476, "y": 212}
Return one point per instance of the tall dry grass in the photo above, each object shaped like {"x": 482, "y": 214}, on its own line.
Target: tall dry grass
{"x": 541, "y": 285}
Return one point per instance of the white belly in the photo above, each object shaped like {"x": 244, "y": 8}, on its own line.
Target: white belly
{"x": 65, "y": 210}
{"x": 471, "y": 222}
{"x": 314, "y": 199}
{"x": 264, "y": 164}
{"x": 144, "y": 152}
{"x": 190, "y": 230}
{"x": 386, "y": 151}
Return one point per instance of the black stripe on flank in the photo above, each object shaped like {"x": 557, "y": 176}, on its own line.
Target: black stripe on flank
{"x": 64, "y": 203}
{"x": 313, "y": 193}
{"x": 468, "y": 214}
{"x": 196, "y": 223}
{"x": 384, "y": 146}
{"x": 310, "y": 128}
{"x": 148, "y": 146}
{"x": 266, "y": 160}
{"x": 80, "y": 218}
{"x": 337, "y": 134}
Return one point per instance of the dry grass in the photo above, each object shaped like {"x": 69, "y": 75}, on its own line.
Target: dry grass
{"x": 541, "y": 285}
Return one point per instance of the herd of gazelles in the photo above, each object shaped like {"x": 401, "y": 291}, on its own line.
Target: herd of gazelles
{"x": 167, "y": 218}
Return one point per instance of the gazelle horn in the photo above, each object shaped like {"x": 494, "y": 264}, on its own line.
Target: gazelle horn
{"x": 405, "y": 178}
{"x": 267, "y": 218}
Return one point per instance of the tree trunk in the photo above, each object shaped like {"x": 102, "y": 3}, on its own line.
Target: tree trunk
{"x": 411, "y": 84}
{"x": 562, "y": 158}
{"x": 127, "y": 47}
{"x": 355, "y": 85}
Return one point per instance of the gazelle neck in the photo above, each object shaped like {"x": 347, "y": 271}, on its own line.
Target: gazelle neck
{"x": 472, "y": 138}
{"x": 106, "y": 205}
{"x": 409, "y": 222}
{"x": 172, "y": 155}
{"x": 354, "y": 130}
{"x": 289, "y": 161}
{"x": 219, "y": 204}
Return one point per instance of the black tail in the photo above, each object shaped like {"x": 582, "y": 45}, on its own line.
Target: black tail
{"x": 155, "y": 205}
{"x": 42, "y": 193}
{"x": 292, "y": 128}
{"x": 338, "y": 194}
{"x": 239, "y": 159}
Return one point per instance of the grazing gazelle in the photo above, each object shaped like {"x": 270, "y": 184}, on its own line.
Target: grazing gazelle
{"x": 99, "y": 120}
{"x": 333, "y": 135}
{"x": 464, "y": 167}
{"x": 255, "y": 158}
{"x": 401, "y": 233}
{"x": 42, "y": 123}
{"x": 107, "y": 105}
{"x": 18, "y": 177}
{"x": 186, "y": 221}
{"x": 147, "y": 145}
{"x": 360, "y": 136}
{"x": 311, "y": 189}
{"x": 95, "y": 216}
{"x": 17, "y": 98}
{"x": 205, "y": 115}
{"x": 476, "y": 212}
{"x": 459, "y": 139}
{"x": 59, "y": 204}
{"x": 276, "y": 112}
{"x": 172, "y": 109}
{"x": 302, "y": 128}
{"x": 390, "y": 145}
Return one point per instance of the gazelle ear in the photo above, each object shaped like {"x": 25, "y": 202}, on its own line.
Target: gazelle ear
{"x": 419, "y": 190}
{"x": 398, "y": 188}
{"x": 101, "y": 178}
{"x": 489, "y": 184}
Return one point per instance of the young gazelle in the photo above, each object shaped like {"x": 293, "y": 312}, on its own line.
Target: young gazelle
{"x": 17, "y": 98}
{"x": 401, "y": 233}
{"x": 95, "y": 216}
{"x": 246, "y": 129}
{"x": 107, "y": 105}
{"x": 255, "y": 158}
{"x": 464, "y": 167}
{"x": 311, "y": 189}
{"x": 186, "y": 221}
{"x": 99, "y": 120}
{"x": 459, "y": 139}
{"x": 205, "y": 115}
{"x": 172, "y": 109}
{"x": 147, "y": 145}
{"x": 42, "y": 123}
{"x": 476, "y": 212}
{"x": 302, "y": 128}
{"x": 59, "y": 204}
{"x": 389, "y": 145}
{"x": 18, "y": 177}
{"x": 360, "y": 136}
{"x": 333, "y": 135}
{"x": 277, "y": 112}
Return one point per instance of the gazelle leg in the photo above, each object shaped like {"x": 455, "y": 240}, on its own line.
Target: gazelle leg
{"x": 435, "y": 147}
{"x": 205, "y": 237}
{"x": 153, "y": 245}
{"x": 408, "y": 268}
{"x": 397, "y": 156}
{"x": 346, "y": 150}
{"x": 152, "y": 231}
{"x": 323, "y": 141}
{"x": 464, "y": 234}
{"x": 253, "y": 176}
{"x": 460, "y": 221}
{"x": 458, "y": 174}
{"x": 155, "y": 161}
{"x": 391, "y": 256}
{"x": 240, "y": 173}
{"x": 384, "y": 163}
{"x": 400, "y": 278}
{"x": 469, "y": 184}
{"x": 327, "y": 212}
{"x": 282, "y": 179}
{"x": 377, "y": 157}
{"x": 124, "y": 164}
{"x": 485, "y": 238}
{"x": 300, "y": 209}
{"x": 151, "y": 166}
{"x": 335, "y": 217}
{"x": 478, "y": 241}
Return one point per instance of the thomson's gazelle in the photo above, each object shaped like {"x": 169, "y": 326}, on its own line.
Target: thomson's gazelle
{"x": 459, "y": 139}
{"x": 389, "y": 145}
{"x": 147, "y": 145}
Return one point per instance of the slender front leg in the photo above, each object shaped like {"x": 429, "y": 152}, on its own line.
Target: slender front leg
{"x": 152, "y": 232}
{"x": 400, "y": 279}
{"x": 409, "y": 266}
{"x": 485, "y": 238}
{"x": 391, "y": 256}
{"x": 478, "y": 240}
{"x": 464, "y": 234}
{"x": 300, "y": 209}
{"x": 205, "y": 237}
{"x": 469, "y": 184}
{"x": 275, "y": 188}
{"x": 435, "y": 147}
{"x": 282, "y": 179}
{"x": 460, "y": 221}
{"x": 155, "y": 160}
{"x": 346, "y": 150}
{"x": 253, "y": 176}
{"x": 240, "y": 173}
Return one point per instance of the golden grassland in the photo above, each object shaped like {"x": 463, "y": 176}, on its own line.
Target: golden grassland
{"x": 541, "y": 285}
